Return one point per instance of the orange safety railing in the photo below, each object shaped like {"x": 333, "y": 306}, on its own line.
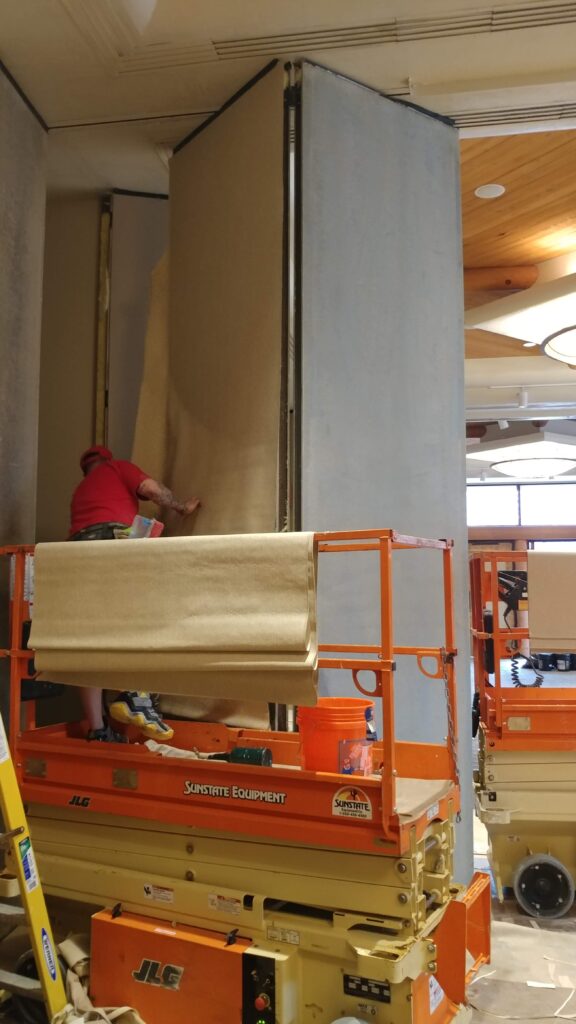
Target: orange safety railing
{"x": 385, "y": 542}
{"x": 399, "y": 759}
{"x": 19, "y": 656}
{"x": 513, "y": 717}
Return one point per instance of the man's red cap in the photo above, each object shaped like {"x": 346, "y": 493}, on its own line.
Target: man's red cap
{"x": 97, "y": 451}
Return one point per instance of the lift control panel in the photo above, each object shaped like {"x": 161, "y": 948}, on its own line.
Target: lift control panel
{"x": 258, "y": 988}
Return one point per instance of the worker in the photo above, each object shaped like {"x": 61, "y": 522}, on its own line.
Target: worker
{"x": 104, "y": 501}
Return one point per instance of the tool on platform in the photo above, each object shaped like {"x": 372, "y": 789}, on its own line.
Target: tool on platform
{"x": 245, "y": 755}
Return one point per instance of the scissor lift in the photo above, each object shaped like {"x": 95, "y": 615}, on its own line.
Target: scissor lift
{"x": 268, "y": 895}
{"x": 526, "y": 780}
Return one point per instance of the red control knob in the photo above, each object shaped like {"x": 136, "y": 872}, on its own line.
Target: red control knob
{"x": 262, "y": 1002}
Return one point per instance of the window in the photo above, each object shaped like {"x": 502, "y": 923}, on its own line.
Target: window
{"x": 554, "y": 545}
{"x": 548, "y": 505}
{"x": 492, "y": 505}
{"x": 552, "y": 504}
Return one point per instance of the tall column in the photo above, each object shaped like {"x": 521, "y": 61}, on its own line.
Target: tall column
{"x": 382, "y": 379}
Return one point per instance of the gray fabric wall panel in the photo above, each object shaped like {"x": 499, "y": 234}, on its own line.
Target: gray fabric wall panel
{"x": 382, "y": 370}
{"x": 22, "y": 202}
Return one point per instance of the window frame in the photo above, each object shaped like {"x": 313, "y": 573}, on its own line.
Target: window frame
{"x": 520, "y": 488}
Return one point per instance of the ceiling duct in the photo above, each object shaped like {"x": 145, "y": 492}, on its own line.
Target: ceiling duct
{"x": 483, "y": 20}
{"x": 549, "y": 112}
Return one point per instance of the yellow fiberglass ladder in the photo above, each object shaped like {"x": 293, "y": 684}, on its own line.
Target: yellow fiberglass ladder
{"x": 48, "y": 987}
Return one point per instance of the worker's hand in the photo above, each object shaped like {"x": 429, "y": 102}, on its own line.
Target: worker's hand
{"x": 190, "y": 506}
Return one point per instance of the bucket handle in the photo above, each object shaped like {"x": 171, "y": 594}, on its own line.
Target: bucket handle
{"x": 438, "y": 674}
{"x": 376, "y": 692}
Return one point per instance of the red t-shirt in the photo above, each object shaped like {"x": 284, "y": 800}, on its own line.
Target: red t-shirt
{"x": 108, "y": 494}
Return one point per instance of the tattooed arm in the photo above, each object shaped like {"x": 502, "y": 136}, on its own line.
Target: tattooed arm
{"x": 151, "y": 490}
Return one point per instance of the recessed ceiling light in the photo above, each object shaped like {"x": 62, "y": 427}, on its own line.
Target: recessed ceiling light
{"x": 489, "y": 191}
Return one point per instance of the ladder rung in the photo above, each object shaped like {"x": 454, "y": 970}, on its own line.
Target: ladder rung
{"x": 11, "y": 912}
{"x": 5, "y": 837}
{"x": 30, "y": 988}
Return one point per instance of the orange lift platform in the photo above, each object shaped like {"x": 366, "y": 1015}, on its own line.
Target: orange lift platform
{"x": 266, "y": 895}
{"x": 526, "y": 779}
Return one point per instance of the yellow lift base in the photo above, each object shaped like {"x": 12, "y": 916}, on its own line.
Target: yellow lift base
{"x": 527, "y": 800}
{"x": 208, "y": 917}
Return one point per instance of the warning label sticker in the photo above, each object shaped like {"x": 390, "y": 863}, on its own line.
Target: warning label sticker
{"x": 436, "y": 993}
{"x": 28, "y": 864}
{"x": 28, "y": 593}
{"x": 158, "y": 893}
{"x": 224, "y": 904}
{"x": 350, "y": 802}
{"x": 284, "y": 935}
{"x": 49, "y": 954}
{"x": 433, "y": 812}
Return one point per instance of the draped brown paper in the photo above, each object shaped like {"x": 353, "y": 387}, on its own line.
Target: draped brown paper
{"x": 551, "y": 590}
{"x": 150, "y": 434}
{"x": 210, "y": 410}
{"x": 209, "y": 418}
{"x": 231, "y": 617}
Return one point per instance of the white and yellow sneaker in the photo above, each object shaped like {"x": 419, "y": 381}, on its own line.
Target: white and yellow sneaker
{"x": 133, "y": 707}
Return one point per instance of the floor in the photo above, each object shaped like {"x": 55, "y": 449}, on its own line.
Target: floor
{"x": 532, "y": 976}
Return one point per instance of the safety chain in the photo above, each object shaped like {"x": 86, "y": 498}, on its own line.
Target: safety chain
{"x": 452, "y": 743}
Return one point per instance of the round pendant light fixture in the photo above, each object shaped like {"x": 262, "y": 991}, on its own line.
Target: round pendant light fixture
{"x": 534, "y": 469}
{"x": 561, "y": 345}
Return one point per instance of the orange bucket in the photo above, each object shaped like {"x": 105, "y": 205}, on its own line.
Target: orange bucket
{"x": 324, "y": 726}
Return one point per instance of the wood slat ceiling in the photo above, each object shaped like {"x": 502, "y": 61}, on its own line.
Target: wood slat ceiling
{"x": 487, "y": 345}
{"x": 533, "y": 221}
{"x": 536, "y": 218}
